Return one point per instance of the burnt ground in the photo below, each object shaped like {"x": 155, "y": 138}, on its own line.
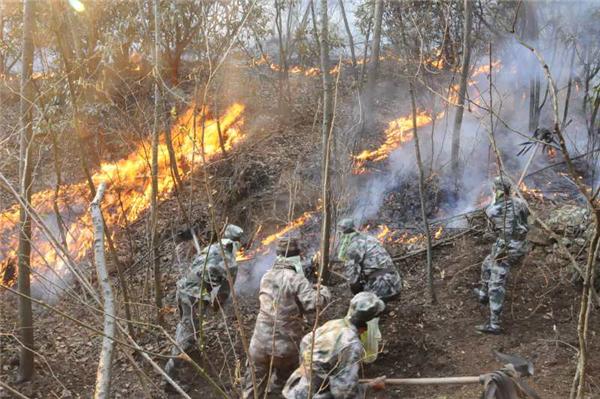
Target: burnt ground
{"x": 421, "y": 340}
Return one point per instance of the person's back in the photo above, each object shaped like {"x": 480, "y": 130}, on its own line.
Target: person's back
{"x": 369, "y": 267}
{"x": 508, "y": 216}
{"x": 376, "y": 257}
{"x": 332, "y": 371}
{"x": 282, "y": 290}
{"x": 285, "y": 295}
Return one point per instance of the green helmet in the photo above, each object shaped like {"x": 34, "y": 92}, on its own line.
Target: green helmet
{"x": 502, "y": 184}
{"x": 364, "y": 307}
{"x": 346, "y": 225}
{"x": 288, "y": 247}
{"x": 233, "y": 232}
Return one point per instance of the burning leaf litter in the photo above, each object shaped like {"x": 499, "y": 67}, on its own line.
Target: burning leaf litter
{"x": 195, "y": 138}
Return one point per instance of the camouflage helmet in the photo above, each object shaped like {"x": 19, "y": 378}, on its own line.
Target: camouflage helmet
{"x": 233, "y": 232}
{"x": 346, "y": 225}
{"x": 502, "y": 184}
{"x": 364, "y": 307}
{"x": 288, "y": 246}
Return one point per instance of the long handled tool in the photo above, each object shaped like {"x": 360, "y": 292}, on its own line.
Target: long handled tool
{"x": 431, "y": 381}
{"x": 503, "y": 383}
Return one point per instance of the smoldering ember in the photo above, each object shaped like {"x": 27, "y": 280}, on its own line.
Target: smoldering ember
{"x": 299, "y": 199}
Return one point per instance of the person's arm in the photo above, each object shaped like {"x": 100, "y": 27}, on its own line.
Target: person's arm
{"x": 353, "y": 266}
{"x": 307, "y": 296}
{"x": 343, "y": 381}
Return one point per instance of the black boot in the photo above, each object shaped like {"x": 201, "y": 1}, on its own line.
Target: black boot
{"x": 489, "y": 328}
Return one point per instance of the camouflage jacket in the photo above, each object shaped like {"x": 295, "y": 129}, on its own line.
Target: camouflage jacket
{"x": 366, "y": 260}
{"x": 284, "y": 296}
{"x": 335, "y": 364}
{"x": 508, "y": 218}
{"x": 208, "y": 271}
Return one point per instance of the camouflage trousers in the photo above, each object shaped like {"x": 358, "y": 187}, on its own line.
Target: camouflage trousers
{"x": 265, "y": 367}
{"x": 386, "y": 285}
{"x": 186, "y": 332}
{"x": 495, "y": 270}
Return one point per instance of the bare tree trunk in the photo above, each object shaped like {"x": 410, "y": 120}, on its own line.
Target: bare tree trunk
{"x": 326, "y": 131}
{"x": 578, "y": 388}
{"x": 365, "y": 51}
{"x": 219, "y": 132}
{"x": 154, "y": 172}
{"x": 568, "y": 95}
{"x": 171, "y": 150}
{"x": 314, "y": 23}
{"x": 25, "y": 176}
{"x": 350, "y": 39}
{"x": 430, "y": 289}
{"x": 462, "y": 90}
{"x": 531, "y": 33}
{"x": 282, "y": 67}
{"x": 2, "y": 40}
{"x": 104, "y": 372}
{"x": 373, "y": 64}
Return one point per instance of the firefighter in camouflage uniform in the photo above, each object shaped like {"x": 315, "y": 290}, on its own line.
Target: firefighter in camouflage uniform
{"x": 507, "y": 216}
{"x": 285, "y": 296}
{"x": 205, "y": 281}
{"x": 336, "y": 356}
{"x": 367, "y": 264}
{"x": 368, "y": 267}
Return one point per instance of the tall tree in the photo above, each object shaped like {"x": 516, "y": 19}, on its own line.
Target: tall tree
{"x": 1, "y": 38}
{"x": 530, "y": 32}
{"x": 326, "y": 131}
{"x": 154, "y": 166}
{"x": 25, "y": 177}
{"x": 104, "y": 371}
{"x": 462, "y": 89}
{"x": 374, "y": 63}
{"x": 350, "y": 39}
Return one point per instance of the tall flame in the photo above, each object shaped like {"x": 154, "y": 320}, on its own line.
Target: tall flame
{"x": 398, "y": 132}
{"x": 195, "y": 138}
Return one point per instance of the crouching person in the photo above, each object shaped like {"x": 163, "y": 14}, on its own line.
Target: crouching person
{"x": 204, "y": 284}
{"x": 332, "y": 372}
{"x": 285, "y": 296}
{"x": 368, "y": 267}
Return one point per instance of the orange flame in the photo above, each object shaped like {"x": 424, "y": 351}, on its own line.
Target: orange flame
{"x": 398, "y": 132}
{"x": 532, "y": 192}
{"x": 130, "y": 186}
{"x": 294, "y": 224}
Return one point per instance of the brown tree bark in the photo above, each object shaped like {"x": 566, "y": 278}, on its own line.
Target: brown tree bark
{"x": 373, "y": 64}
{"x": 530, "y": 32}
{"x": 154, "y": 167}
{"x": 350, "y": 39}
{"x": 282, "y": 73}
{"x": 325, "y": 142}
{"x": 462, "y": 90}
{"x": 25, "y": 177}
{"x": 1, "y": 39}
{"x": 430, "y": 290}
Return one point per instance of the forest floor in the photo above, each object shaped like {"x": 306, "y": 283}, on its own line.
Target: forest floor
{"x": 420, "y": 339}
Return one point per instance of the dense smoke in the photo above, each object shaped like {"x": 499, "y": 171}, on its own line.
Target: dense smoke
{"x": 518, "y": 67}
